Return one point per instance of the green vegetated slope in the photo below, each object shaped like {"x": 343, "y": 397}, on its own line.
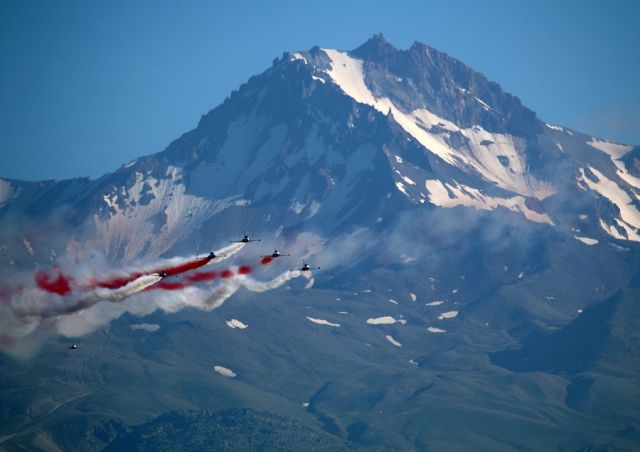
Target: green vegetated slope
{"x": 227, "y": 430}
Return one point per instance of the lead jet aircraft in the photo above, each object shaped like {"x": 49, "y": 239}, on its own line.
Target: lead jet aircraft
{"x": 245, "y": 239}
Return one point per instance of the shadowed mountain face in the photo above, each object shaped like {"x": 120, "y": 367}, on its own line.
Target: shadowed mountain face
{"x": 478, "y": 280}
{"x": 604, "y": 337}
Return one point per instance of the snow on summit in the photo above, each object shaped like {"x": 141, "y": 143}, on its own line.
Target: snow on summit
{"x": 497, "y": 158}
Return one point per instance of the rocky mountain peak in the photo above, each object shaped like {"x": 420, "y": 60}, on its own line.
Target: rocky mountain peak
{"x": 376, "y": 48}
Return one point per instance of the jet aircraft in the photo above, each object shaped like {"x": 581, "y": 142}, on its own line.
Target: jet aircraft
{"x": 275, "y": 254}
{"x": 245, "y": 239}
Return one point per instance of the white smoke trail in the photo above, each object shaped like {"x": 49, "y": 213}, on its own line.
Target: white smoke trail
{"x": 309, "y": 276}
{"x": 260, "y": 286}
{"x": 135, "y": 286}
{"x": 220, "y": 294}
{"x": 55, "y": 306}
{"x": 221, "y": 254}
{"x": 226, "y": 252}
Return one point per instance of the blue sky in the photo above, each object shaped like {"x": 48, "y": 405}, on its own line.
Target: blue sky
{"x": 86, "y": 86}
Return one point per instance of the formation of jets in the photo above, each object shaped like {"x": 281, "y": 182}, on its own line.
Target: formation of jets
{"x": 245, "y": 239}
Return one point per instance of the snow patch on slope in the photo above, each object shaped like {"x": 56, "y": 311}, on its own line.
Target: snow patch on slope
{"x": 433, "y": 329}
{"x": 224, "y": 371}
{"x": 234, "y": 323}
{"x": 629, "y": 218}
{"x": 448, "y": 315}
{"x": 554, "y": 127}
{"x": 400, "y": 186}
{"x": 298, "y": 56}
{"x": 587, "y": 240}
{"x": 322, "y": 322}
{"x": 615, "y": 152}
{"x": 613, "y": 149}
{"x": 481, "y": 102}
{"x": 454, "y": 194}
{"x": 392, "y": 341}
{"x": 386, "y": 320}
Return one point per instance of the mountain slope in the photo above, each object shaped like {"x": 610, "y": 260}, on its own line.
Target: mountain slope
{"x": 604, "y": 337}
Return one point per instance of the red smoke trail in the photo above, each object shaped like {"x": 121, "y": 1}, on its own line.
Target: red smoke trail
{"x": 192, "y": 265}
{"x": 54, "y": 282}
{"x": 202, "y": 276}
{"x": 57, "y": 282}
{"x": 198, "y": 277}
{"x": 117, "y": 282}
{"x": 169, "y": 285}
{"x": 177, "y": 285}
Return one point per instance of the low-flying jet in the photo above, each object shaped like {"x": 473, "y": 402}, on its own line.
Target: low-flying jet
{"x": 306, "y": 268}
{"x": 73, "y": 347}
{"x": 162, "y": 274}
{"x": 275, "y": 254}
{"x": 211, "y": 255}
{"x": 245, "y": 239}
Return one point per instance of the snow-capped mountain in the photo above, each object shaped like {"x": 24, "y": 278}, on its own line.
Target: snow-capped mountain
{"x": 479, "y": 266}
{"x": 329, "y": 139}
